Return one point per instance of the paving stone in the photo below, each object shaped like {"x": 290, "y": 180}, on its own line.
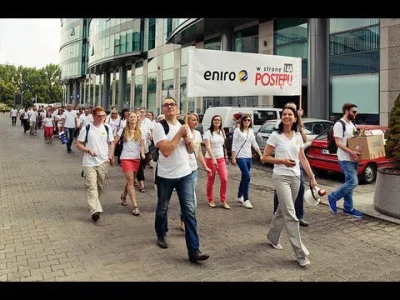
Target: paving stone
{"x": 50, "y": 236}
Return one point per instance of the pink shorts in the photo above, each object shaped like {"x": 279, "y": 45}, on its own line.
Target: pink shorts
{"x": 130, "y": 165}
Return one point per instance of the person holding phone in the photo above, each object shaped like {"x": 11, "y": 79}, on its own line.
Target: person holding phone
{"x": 288, "y": 148}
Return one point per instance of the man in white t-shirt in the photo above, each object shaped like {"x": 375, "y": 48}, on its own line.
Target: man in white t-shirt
{"x": 174, "y": 171}
{"x": 13, "y": 115}
{"x": 99, "y": 154}
{"x": 70, "y": 126}
{"x": 348, "y": 161}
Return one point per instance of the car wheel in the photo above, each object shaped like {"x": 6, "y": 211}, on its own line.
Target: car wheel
{"x": 369, "y": 174}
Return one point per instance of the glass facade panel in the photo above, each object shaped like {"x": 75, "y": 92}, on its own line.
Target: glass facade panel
{"x": 360, "y": 89}
{"x": 362, "y": 62}
{"x": 338, "y": 25}
{"x": 213, "y": 44}
{"x": 152, "y": 33}
{"x": 168, "y": 60}
{"x": 152, "y": 65}
{"x": 365, "y": 39}
{"x": 107, "y": 40}
{"x": 127, "y": 98}
{"x": 246, "y": 40}
{"x": 291, "y": 39}
{"x": 184, "y": 55}
{"x": 151, "y": 101}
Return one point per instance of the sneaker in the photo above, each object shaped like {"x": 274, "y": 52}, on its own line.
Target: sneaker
{"x": 247, "y": 204}
{"x": 162, "y": 242}
{"x": 332, "y": 204}
{"x": 277, "y": 246}
{"x": 353, "y": 212}
{"x": 95, "y": 216}
{"x": 303, "y": 261}
{"x": 240, "y": 200}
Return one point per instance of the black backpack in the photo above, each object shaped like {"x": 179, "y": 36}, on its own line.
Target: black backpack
{"x": 87, "y": 132}
{"x": 332, "y": 147}
{"x": 154, "y": 151}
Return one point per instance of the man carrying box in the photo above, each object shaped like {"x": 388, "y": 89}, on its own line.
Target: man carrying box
{"x": 348, "y": 161}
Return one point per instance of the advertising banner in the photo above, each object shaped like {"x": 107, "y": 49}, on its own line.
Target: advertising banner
{"x": 213, "y": 73}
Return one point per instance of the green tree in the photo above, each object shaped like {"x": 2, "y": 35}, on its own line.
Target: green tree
{"x": 42, "y": 83}
{"x": 392, "y": 146}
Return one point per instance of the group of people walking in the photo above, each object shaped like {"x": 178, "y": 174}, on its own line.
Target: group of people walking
{"x": 180, "y": 154}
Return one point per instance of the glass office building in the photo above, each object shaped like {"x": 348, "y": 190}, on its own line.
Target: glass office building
{"x": 129, "y": 63}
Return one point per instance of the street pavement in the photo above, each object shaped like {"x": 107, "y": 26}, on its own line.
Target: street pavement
{"x": 46, "y": 233}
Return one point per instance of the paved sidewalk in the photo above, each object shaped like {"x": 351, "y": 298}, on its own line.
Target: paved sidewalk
{"x": 46, "y": 233}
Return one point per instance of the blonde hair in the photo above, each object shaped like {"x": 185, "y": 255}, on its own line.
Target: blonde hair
{"x": 137, "y": 133}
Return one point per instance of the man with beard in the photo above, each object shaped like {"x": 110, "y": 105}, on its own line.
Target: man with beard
{"x": 348, "y": 162}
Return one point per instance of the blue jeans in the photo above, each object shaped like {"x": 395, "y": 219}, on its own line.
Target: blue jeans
{"x": 194, "y": 178}
{"x": 69, "y": 133}
{"x": 349, "y": 169}
{"x": 299, "y": 203}
{"x": 244, "y": 165}
{"x": 185, "y": 191}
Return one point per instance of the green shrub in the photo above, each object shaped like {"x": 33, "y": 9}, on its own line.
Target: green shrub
{"x": 392, "y": 146}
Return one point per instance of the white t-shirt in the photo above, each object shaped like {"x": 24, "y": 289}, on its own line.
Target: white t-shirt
{"x": 217, "y": 141}
{"x": 122, "y": 124}
{"x": 14, "y": 113}
{"x": 242, "y": 142}
{"x": 146, "y": 125}
{"x": 48, "y": 122}
{"x": 115, "y": 124}
{"x": 86, "y": 119}
{"x": 176, "y": 165}
{"x": 97, "y": 141}
{"x": 197, "y": 146}
{"x": 32, "y": 115}
{"x": 288, "y": 149}
{"x": 131, "y": 148}
{"x": 69, "y": 121}
{"x": 338, "y": 132}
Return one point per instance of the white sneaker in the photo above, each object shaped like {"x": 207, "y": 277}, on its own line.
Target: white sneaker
{"x": 247, "y": 204}
{"x": 240, "y": 200}
{"x": 303, "y": 262}
{"x": 277, "y": 246}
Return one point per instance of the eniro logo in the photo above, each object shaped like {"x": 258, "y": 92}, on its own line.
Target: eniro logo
{"x": 225, "y": 75}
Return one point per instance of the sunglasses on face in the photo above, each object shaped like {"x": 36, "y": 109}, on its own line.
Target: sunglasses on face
{"x": 172, "y": 104}
{"x": 354, "y": 111}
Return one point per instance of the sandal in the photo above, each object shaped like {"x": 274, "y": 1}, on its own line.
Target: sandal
{"x": 135, "y": 211}
{"x": 123, "y": 201}
{"x": 141, "y": 189}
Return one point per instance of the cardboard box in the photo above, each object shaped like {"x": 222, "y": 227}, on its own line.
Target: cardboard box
{"x": 371, "y": 147}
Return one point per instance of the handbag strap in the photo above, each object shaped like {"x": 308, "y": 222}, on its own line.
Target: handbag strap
{"x": 243, "y": 144}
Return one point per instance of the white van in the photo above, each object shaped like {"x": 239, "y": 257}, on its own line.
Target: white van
{"x": 258, "y": 115}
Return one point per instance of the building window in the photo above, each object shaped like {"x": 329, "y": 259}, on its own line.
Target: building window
{"x": 213, "y": 44}
{"x": 360, "y": 89}
{"x": 340, "y": 25}
{"x": 152, "y": 33}
{"x": 364, "y": 39}
{"x": 246, "y": 40}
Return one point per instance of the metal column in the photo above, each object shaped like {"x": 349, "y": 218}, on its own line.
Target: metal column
{"x": 318, "y": 68}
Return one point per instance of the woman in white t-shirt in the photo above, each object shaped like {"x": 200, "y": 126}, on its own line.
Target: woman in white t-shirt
{"x": 133, "y": 149}
{"x": 288, "y": 148}
{"x": 48, "y": 123}
{"x": 115, "y": 121}
{"x": 243, "y": 139}
{"x": 192, "y": 120}
{"x": 216, "y": 159}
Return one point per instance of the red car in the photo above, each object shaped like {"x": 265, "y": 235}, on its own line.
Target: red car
{"x": 322, "y": 161}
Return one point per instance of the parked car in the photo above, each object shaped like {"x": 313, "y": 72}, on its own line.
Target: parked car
{"x": 322, "y": 161}
{"x": 312, "y": 127}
